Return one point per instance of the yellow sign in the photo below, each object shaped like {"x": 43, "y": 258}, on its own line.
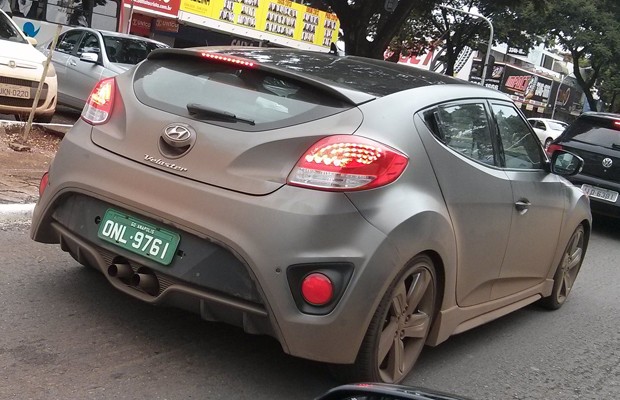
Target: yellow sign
{"x": 279, "y": 17}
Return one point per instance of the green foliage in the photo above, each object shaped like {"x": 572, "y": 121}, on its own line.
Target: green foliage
{"x": 590, "y": 31}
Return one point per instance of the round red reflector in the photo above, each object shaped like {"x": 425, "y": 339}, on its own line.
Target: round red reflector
{"x": 317, "y": 289}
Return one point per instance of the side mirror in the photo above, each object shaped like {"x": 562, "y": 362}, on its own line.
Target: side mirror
{"x": 566, "y": 163}
{"x": 90, "y": 57}
{"x": 32, "y": 40}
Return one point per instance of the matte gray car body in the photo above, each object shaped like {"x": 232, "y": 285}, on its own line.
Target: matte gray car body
{"x": 485, "y": 239}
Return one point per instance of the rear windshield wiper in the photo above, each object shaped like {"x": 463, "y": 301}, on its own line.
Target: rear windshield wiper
{"x": 207, "y": 112}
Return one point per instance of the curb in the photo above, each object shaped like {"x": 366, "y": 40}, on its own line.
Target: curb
{"x": 16, "y": 212}
{"x": 59, "y": 128}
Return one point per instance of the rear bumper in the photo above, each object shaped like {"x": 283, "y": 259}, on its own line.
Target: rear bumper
{"x": 238, "y": 248}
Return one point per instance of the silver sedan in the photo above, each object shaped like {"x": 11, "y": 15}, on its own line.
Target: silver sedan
{"x": 83, "y": 56}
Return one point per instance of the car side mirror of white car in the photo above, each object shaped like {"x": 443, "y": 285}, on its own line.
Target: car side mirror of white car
{"x": 566, "y": 163}
{"x": 32, "y": 40}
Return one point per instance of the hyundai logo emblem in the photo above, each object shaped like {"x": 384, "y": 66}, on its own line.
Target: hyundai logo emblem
{"x": 178, "y": 135}
{"x": 607, "y": 162}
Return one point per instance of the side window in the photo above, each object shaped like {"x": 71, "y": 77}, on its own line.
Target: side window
{"x": 521, "y": 149}
{"x": 90, "y": 44}
{"x": 465, "y": 129}
{"x": 67, "y": 42}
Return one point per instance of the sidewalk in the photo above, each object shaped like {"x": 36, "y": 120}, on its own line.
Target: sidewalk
{"x": 20, "y": 172}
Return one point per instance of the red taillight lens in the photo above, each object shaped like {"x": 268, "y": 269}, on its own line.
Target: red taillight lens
{"x": 317, "y": 289}
{"x": 346, "y": 163}
{"x": 100, "y": 102}
{"x": 43, "y": 184}
{"x": 553, "y": 147}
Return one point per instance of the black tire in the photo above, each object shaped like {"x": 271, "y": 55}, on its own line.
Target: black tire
{"x": 398, "y": 329}
{"x": 566, "y": 273}
{"x": 547, "y": 143}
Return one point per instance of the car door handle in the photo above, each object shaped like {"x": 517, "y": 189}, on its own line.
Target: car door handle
{"x": 72, "y": 63}
{"x": 522, "y": 206}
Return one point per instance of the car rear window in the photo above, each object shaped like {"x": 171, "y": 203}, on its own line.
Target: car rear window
{"x": 597, "y": 131}
{"x": 262, "y": 100}
{"x": 375, "y": 77}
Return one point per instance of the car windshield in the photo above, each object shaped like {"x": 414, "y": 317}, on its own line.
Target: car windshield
{"x": 9, "y": 32}
{"x": 128, "y": 50}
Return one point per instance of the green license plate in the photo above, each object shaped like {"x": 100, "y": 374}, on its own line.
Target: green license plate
{"x": 139, "y": 237}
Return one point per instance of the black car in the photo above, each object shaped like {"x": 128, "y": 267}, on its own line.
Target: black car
{"x": 595, "y": 136}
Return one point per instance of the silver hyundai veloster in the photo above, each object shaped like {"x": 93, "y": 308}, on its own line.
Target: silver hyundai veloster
{"x": 353, "y": 209}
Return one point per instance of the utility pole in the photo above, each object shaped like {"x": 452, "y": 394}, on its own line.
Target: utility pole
{"x": 486, "y": 58}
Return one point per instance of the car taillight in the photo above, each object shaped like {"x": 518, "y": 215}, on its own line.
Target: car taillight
{"x": 317, "y": 289}
{"x": 100, "y": 102}
{"x": 553, "y": 147}
{"x": 347, "y": 163}
{"x": 43, "y": 184}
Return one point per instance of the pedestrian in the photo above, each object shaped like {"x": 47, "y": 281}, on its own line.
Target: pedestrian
{"x": 5, "y": 6}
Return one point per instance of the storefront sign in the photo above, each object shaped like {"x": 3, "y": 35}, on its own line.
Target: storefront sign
{"x": 527, "y": 87}
{"x": 168, "y": 7}
{"x": 280, "y": 17}
{"x": 141, "y": 25}
{"x": 166, "y": 25}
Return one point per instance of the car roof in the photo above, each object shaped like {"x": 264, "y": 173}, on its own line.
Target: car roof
{"x": 375, "y": 78}
{"x": 601, "y": 115}
{"x": 115, "y": 34}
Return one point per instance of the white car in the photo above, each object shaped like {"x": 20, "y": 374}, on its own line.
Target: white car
{"x": 21, "y": 67}
{"x": 547, "y": 129}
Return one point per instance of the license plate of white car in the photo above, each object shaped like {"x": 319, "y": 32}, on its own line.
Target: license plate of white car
{"x": 8, "y": 90}
{"x": 139, "y": 237}
{"x": 600, "y": 193}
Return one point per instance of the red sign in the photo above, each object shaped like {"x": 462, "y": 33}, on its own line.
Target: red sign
{"x": 166, "y": 25}
{"x": 140, "y": 25}
{"x": 168, "y": 7}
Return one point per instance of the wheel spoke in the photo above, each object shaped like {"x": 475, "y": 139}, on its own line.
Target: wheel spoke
{"x": 567, "y": 284}
{"x": 396, "y": 362}
{"x": 388, "y": 336}
{"x": 417, "y": 326}
{"x": 400, "y": 299}
{"x": 575, "y": 258}
{"x": 417, "y": 290}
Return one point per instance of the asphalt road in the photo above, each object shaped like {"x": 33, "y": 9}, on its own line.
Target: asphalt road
{"x": 65, "y": 333}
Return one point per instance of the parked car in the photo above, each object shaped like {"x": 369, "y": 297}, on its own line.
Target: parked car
{"x": 83, "y": 56}
{"x": 354, "y": 209}
{"x": 595, "y": 137}
{"x": 546, "y": 129}
{"x": 21, "y": 68}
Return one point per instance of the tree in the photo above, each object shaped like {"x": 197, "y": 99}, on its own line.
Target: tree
{"x": 368, "y": 28}
{"x": 590, "y": 31}
{"x": 609, "y": 87}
